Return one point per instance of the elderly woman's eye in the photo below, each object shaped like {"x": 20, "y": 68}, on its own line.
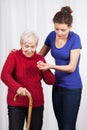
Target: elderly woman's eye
{"x": 26, "y": 46}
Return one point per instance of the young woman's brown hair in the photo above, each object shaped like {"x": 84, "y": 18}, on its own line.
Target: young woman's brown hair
{"x": 64, "y": 16}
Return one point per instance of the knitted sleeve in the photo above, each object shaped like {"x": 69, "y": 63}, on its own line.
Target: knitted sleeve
{"x": 7, "y": 72}
{"x": 48, "y": 77}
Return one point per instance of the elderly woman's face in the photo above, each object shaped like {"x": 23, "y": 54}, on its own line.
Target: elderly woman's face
{"x": 28, "y": 49}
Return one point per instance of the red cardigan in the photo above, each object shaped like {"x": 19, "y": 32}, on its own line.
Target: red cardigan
{"x": 20, "y": 71}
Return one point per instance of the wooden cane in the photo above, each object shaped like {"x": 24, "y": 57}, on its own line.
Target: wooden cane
{"x": 29, "y": 109}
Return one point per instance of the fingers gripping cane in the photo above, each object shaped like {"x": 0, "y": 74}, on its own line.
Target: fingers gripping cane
{"x": 29, "y": 109}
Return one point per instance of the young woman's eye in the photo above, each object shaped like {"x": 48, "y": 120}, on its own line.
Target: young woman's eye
{"x": 56, "y": 29}
{"x": 63, "y": 30}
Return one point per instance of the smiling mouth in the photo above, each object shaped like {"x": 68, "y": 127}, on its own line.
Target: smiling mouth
{"x": 28, "y": 55}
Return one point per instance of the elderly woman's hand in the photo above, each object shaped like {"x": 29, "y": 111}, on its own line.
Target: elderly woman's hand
{"x": 23, "y": 91}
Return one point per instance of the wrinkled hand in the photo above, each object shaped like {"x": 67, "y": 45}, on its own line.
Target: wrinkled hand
{"x": 23, "y": 91}
{"x": 13, "y": 50}
{"x": 43, "y": 66}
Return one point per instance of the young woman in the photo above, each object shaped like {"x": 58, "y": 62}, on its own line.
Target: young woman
{"x": 21, "y": 74}
{"x": 65, "y": 48}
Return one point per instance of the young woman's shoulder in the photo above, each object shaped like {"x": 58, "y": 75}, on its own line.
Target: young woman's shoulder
{"x": 73, "y": 34}
{"x": 52, "y": 33}
{"x": 75, "y": 40}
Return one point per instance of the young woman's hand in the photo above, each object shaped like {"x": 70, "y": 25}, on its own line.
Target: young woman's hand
{"x": 43, "y": 66}
{"x": 13, "y": 50}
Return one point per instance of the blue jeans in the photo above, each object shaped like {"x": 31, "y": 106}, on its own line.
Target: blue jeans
{"x": 66, "y": 104}
{"x": 17, "y": 116}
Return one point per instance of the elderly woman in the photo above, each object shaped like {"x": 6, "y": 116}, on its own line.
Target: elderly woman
{"x": 21, "y": 74}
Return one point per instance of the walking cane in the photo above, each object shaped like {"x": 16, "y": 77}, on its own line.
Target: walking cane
{"x": 29, "y": 109}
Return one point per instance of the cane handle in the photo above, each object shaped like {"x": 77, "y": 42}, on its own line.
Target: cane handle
{"x": 29, "y": 109}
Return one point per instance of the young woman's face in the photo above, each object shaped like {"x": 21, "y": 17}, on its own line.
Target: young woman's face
{"x": 62, "y": 30}
{"x": 28, "y": 49}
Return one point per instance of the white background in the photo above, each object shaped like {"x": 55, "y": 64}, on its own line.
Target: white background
{"x": 17, "y": 16}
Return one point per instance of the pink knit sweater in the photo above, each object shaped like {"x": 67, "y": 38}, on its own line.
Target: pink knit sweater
{"x": 20, "y": 71}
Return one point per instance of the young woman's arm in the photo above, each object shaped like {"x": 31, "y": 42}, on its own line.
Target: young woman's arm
{"x": 74, "y": 55}
{"x": 44, "y": 50}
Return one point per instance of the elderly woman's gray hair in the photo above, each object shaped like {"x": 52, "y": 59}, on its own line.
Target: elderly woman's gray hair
{"x": 29, "y": 36}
